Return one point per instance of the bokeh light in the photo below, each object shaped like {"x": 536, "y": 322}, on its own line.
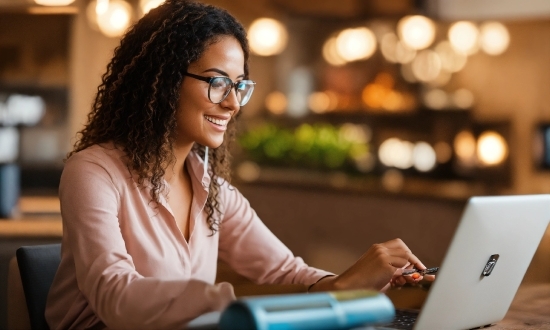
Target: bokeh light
{"x": 54, "y": 2}
{"x": 248, "y": 171}
{"x": 267, "y": 37}
{"x": 394, "y": 50}
{"x": 404, "y": 54}
{"x": 388, "y": 43}
{"x": 463, "y": 98}
{"x": 116, "y": 19}
{"x": 356, "y": 44}
{"x": 494, "y": 38}
{"x": 333, "y": 97}
{"x": 442, "y": 79}
{"x": 147, "y": 5}
{"x": 464, "y": 37}
{"x": 355, "y": 133}
{"x": 451, "y": 60}
{"x": 276, "y": 102}
{"x": 417, "y": 32}
{"x": 381, "y": 94}
{"x": 393, "y": 180}
{"x": 492, "y": 148}
{"x": 101, "y": 7}
{"x": 436, "y": 99}
{"x": 465, "y": 146}
{"x": 424, "y": 157}
{"x": 426, "y": 66}
{"x": 319, "y": 102}
{"x": 330, "y": 53}
{"x": 394, "y": 152}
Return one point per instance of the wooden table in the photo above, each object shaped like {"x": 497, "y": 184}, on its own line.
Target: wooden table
{"x": 529, "y": 310}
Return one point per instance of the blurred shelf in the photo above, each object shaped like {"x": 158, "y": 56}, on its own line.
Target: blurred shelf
{"x": 458, "y": 190}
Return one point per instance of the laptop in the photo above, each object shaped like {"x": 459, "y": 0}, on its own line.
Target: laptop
{"x": 489, "y": 254}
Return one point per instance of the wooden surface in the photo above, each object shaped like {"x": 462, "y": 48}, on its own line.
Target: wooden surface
{"x": 529, "y": 310}
{"x": 40, "y": 217}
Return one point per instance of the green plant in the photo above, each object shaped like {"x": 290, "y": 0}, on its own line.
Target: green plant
{"x": 317, "y": 146}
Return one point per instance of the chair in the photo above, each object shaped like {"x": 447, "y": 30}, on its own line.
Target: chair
{"x": 18, "y": 315}
{"x": 37, "y": 267}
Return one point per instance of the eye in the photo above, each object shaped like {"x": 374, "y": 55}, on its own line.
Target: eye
{"x": 241, "y": 86}
{"x": 219, "y": 83}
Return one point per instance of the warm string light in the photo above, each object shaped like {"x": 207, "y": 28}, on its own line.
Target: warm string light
{"x": 355, "y": 44}
{"x": 54, "y": 2}
{"x": 267, "y": 37}
{"x": 464, "y": 37}
{"x": 101, "y": 7}
{"x": 417, "y": 32}
{"x": 414, "y": 42}
{"x": 147, "y": 5}
{"x": 494, "y": 38}
{"x": 110, "y": 17}
{"x": 113, "y": 17}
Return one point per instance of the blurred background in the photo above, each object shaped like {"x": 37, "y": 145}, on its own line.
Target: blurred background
{"x": 425, "y": 97}
{"x": 371, "y": 119}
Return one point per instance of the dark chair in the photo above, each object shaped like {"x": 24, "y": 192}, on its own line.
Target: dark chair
{"x": 37, "y": 267}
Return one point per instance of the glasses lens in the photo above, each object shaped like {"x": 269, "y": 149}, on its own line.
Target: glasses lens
{"x": 244, "y": 89}
{"x": 219, "y": 88}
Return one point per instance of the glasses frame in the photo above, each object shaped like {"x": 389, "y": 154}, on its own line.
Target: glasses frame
{"x": 233, "y": 85}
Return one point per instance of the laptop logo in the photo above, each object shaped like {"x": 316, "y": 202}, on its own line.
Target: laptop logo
{"x": 490, "y": 265}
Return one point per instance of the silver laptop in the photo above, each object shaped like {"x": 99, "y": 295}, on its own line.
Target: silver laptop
{"x": 490, "y": 252}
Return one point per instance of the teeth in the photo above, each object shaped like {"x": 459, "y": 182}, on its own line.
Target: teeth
{"x": 220, "y": 122}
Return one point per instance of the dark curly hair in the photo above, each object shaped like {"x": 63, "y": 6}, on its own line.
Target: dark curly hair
{"x": 136, "y": 103}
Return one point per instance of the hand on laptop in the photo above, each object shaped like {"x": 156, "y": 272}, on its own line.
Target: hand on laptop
{"x": 378, "y": 268}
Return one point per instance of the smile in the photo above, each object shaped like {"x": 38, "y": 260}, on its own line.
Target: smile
{"x": 219, "y": 122}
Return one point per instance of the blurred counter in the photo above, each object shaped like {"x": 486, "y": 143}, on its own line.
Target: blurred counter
{"x": 38, "y": 216}
{"x": 393, "y": 184}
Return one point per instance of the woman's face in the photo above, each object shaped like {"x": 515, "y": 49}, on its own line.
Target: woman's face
{"x": 198, "y": 119}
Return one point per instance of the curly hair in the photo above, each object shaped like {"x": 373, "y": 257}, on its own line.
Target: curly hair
{"x": 136, "y": 103}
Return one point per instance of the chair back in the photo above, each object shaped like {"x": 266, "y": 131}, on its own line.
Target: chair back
{"x": 37, "y": 267}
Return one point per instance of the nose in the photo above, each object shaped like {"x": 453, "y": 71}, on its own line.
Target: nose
{"x": 231, "y": 102}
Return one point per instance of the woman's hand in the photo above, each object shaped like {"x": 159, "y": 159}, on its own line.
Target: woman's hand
{"x": 379, "y": 268}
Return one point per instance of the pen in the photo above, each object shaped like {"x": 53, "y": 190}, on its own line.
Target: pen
{"x": 426, "y": 271}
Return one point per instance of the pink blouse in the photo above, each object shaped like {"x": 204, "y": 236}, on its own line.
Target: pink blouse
{"x": 125, "y": 263}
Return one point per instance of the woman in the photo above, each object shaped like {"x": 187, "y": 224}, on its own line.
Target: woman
{"x": 146, "y": 204}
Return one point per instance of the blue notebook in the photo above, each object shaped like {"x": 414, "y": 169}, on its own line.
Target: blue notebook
{"x": 315, "y": 311}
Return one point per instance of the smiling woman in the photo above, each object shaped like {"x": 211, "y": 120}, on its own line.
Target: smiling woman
{"x": 146, "y": 202}
{"x": 205, "y": 109}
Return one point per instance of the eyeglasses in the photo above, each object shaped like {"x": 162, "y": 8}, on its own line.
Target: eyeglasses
{"x": 220, "y": 87}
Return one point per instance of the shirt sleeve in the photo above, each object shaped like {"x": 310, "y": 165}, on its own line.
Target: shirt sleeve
{"x": 105, "y": 272}
{"x": 253, "y": 251}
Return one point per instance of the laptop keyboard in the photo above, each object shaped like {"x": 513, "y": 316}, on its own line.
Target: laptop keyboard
{"x": 404, "y": 319}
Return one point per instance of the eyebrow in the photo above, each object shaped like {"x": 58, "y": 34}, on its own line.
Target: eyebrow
{"x": 223, "y": 73}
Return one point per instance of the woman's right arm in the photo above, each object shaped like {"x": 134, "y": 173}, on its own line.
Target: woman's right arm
{"x": 105, "y": 272}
